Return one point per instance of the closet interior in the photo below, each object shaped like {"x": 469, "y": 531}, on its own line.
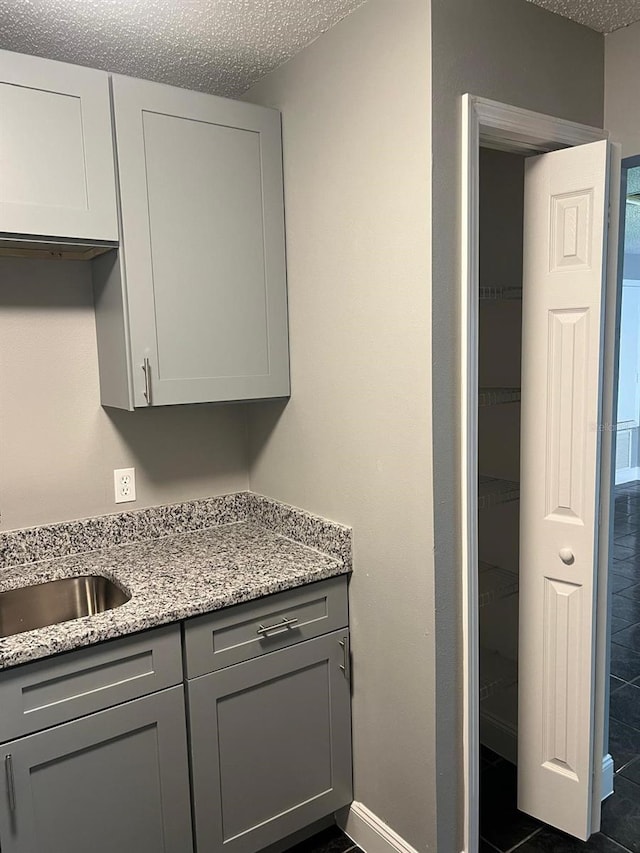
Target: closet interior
{"x": 500, "y": 336}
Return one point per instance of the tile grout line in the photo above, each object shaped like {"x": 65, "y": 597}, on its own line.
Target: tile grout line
{"x": 489, "y": 844}
{"x": 624, "y": 766}
{"x": 617, "y": 843}
{"x": 524, "y": 840}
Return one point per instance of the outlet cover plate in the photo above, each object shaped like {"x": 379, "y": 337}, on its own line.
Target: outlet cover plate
{"x": 124, "y": 485}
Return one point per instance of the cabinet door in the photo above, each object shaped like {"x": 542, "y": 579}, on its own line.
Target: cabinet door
{"x": 271, "y": 745}
{"x": 563, "y": 311}
{"x": 203, "y": 232}
{"x": 116, "y": 780}
{"x": 56, "y": 150}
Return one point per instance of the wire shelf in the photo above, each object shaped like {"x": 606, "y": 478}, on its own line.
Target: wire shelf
{"x": 496, "y": 673}
{"x": 495, "y": 583}
{"x": 497, "y": 396}
{"x": 493, "y": 491}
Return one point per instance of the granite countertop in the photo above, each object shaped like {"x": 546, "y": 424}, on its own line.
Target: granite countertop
{"x": 178, "y": 575}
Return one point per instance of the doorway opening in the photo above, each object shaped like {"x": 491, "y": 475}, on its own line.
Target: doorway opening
{"x": 621, "y": 816}
{"x": 490, "y": 447}
{"x": 500, "y": 246}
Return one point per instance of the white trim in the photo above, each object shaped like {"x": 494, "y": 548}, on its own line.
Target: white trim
{"x": 499, "y": 735}
{"x": 523, "y": 130}
{"x": 469, "y": 467}
{"x": 509, "y": 128}
{"x": 607, "y": 777}
{"x": 370, "y": 833}
{"x": 609, "y": 405}
{"x": 627, "y": 475}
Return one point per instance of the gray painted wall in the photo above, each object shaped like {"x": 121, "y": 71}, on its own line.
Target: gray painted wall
{"x": 354, "y": 443}
{"x": 58, "y": 447}
{"x": 517, "y": 53}
{"x": 622, "y": 117}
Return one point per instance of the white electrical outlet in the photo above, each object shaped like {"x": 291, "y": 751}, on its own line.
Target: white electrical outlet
{"x": 124, "y": 483}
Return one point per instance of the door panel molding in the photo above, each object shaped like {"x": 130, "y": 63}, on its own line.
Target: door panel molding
{"x": 561, "y": 673}
{"x": 566, "y": 429}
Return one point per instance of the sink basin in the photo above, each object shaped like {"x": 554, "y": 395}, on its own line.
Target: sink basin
{"x": 30, "y": 607}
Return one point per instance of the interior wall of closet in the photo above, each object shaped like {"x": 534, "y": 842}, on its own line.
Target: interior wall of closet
{"x": 500, "y": 342}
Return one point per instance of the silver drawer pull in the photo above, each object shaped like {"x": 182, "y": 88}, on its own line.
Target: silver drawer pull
{"x": 345, "y": 666}
{"x": 146, "y": 368}
{"x": 11, "y": 790}
{"x": 285, "y": 625}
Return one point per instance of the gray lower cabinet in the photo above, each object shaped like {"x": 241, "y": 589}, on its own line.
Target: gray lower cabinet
{"x": 94, "y": 754}
{"x": 116, "y": 780}
{"x": 271, "y": 744}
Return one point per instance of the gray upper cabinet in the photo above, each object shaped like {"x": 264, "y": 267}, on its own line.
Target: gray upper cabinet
{"x": 200, "y": 287}
{"x": 56, "y": 151}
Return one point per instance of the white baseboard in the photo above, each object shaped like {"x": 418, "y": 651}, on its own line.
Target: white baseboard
{"x": 627, "y": 475}
{"x": 607, "y": 776}
{"x": 497, "y": 732}
{"x": 370, "y": 833}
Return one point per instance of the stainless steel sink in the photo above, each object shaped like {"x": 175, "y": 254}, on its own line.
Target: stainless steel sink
{"x": 30, "y": 607}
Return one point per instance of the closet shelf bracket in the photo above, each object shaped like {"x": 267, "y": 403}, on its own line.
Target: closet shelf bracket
{"x": 493, "y": 491}
{"x": 495, "y": 583}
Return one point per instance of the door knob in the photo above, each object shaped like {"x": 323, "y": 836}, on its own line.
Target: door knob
{"x": 566, "y": 555}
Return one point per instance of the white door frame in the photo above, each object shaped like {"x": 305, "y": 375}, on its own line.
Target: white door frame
{"x": 506, "y": 128}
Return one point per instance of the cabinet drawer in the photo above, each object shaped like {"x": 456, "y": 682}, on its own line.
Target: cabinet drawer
{"x": 43, "y": 694}
{"x": 248, "y": 630}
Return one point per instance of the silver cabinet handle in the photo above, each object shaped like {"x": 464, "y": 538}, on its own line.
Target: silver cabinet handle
{"x": 345, "y": 666}
{"x": 278, "y": 627}
{"x": 11, "y": 790}
{"x": 146, "y": 369}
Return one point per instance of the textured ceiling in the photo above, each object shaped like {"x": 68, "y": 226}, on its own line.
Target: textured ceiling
{"x": 219, "y": 46}
{"x": 605, "y": 16}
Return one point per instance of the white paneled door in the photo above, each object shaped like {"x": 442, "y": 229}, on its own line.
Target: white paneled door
{"x": 566, "y": 210}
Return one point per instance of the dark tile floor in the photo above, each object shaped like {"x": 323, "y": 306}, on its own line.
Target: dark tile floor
{"x": 503, "y": 827}
{"x": 331, "y": 840}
